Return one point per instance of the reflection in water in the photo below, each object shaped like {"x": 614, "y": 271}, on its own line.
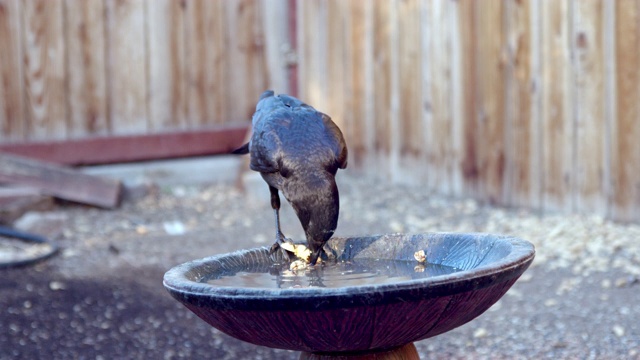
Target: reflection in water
{"x": 330, "y": 275}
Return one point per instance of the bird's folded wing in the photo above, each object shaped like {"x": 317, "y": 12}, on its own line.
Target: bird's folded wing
{"x": 265, "y": 153}
{"x": 340, "y": 149}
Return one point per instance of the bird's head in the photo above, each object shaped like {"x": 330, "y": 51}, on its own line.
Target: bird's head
{"x": 269, "y": 101}
{"x": 317, "y": 205}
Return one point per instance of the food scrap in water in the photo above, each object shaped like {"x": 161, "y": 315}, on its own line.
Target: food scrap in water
{"x": 298, "y": 265}
{"x": 420, "y": 256}
{"x": 299, "y": 250}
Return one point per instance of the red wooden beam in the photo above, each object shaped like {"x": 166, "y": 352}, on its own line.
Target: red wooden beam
{"x": 118, "y": 149}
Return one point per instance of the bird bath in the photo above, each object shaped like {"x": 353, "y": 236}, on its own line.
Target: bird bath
{"x": 406, "y": 307}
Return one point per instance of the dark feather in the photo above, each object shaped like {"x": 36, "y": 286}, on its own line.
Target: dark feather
{"x": 244, "y": 149}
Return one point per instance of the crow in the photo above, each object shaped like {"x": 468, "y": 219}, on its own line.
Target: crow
{"x": 298, "y": 151}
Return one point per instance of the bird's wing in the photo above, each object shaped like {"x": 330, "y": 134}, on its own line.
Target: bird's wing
{"x": 334, "y": 132}
{"x": 265, "y": 150}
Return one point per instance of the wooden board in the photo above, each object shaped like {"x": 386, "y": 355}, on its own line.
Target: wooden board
{"x": 165, "y": 26}
{"x": 16, "y": 201}
{"x": 313, "y": 34}
{"x": 458, "y": 86}
{"x": 589, "y": 108}
{"x": 368, "y": 69}
{"x": 519, "y": 130}
{"x": 440, "y": 136}
{"x": 44, "y": 69}
{"x": 490, "y": 95}
{"x": 206, "y": 78}
{"x": 244, "y": 52}
{"x": 469, "y": 163}
{"x": 410, "y": 140}
{"x": 382, "y": 81}
{"x": 11, "y": 73}
{"x": 626, "y": 146}
{"x": 60, "y": 182}
{"x": 393, "y": 114}
{"x": 557, "y": 128}
{"x": 536, "y": 141}
{"x": 126, "y": 67}
{"x": 104, "y": 150}
{"x": 275, "y": 15}
{"x": 356, "y": 117}
{"x": 86, "y": 68}
{"x": 409, "y": 70}
{"x": 335, "y": 62}
{"x": 427, "y": 156}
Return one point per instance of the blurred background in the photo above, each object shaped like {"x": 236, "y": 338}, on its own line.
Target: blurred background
{"x": 533, "y": 104}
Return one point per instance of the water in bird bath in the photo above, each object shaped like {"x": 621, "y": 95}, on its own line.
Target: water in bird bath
{"x": 330, "y": 275}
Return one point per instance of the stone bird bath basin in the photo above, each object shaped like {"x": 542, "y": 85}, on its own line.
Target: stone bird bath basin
{"x": 362, "y": 318}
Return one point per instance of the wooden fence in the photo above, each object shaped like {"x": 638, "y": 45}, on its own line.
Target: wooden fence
{"x": 526, "y": 103}
{"x": 76, "y": 68}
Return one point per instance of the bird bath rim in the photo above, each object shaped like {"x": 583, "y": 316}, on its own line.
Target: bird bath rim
{"x": 184, "y": 280}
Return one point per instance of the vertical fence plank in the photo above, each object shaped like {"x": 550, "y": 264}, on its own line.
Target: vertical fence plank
{"x": 458, "y": 85}
{"x": 589, "y": 107}
{"x": 12, "y": 125}
{"x": 206, "y": 78}
{"x": 313, "y": 69}
{"x": 302, "y": 47}
{"x": 626, "y": 150}
{"x": 491, "y": 92}
{"x": 166, "y": 64}
{"x": 246, "y": 66}
{"x": 86, "y": 68}
{"x": 354, "y": 129}
{"x": 354, "y": 116}
{"x": 410, "y": 103}
{"x": 427, "y": 31}
{"x": 393, "y": 112}
{"x": 441, "y": 90}
{"x": 126, "y": 67}
{"x": 44, "y": 69}
{"x": 609, "y": 90}
{"x": 470, "y": 159}
{"x": 382, "y": 80}
{"x": 518, "y": 136}
{"x": 556, "y": 112}
{"x": 369, "y": 82}
{"x": 334, "y": 92}
{"x": 536, "y": 167}
{"x": 275, "y": 14}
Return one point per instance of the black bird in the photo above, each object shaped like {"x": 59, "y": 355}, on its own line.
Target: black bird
{"x": 298, "y": 151}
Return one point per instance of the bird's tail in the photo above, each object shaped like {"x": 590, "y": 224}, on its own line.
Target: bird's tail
{"x": 244, "y": 149}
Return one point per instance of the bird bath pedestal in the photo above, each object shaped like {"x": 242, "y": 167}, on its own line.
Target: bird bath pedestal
{"x": 383, "y": 318}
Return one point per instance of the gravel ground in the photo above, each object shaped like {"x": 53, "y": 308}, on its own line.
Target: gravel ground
{"x": 102, "y": 297}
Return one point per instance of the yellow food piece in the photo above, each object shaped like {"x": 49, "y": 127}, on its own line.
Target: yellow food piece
{"x": 288, "y": 246}
{"x": 420, "y": 256}
{"x": 299, "y": 250}
{"x": 298, "y": 265}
